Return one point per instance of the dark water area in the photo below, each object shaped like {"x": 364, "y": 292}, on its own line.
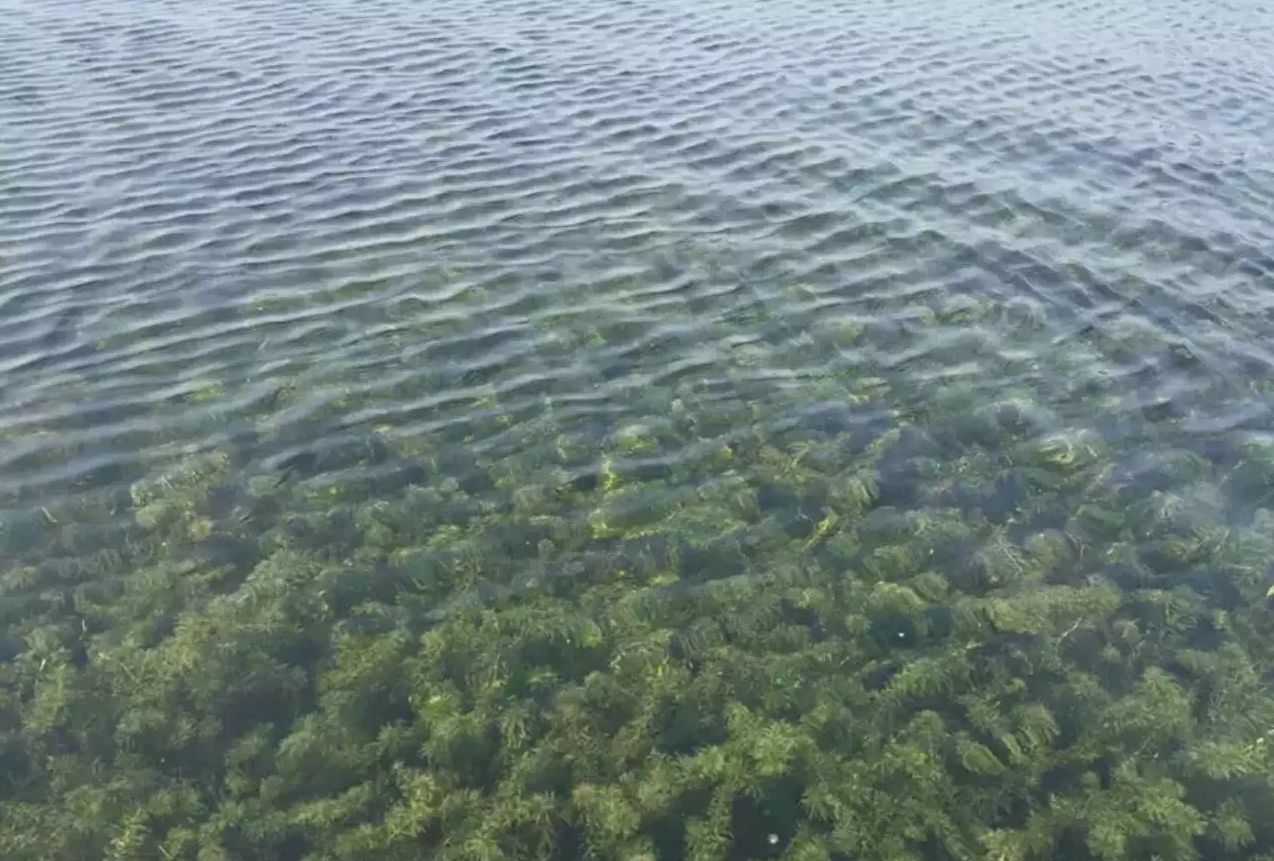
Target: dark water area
{"x": 636, "y": 430}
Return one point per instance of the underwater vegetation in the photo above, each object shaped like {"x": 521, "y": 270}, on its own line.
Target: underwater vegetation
{"x": 831, "y": 614}
{"x": 636, "y": 431}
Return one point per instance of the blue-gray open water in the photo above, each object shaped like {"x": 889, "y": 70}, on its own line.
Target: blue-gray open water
{"x": 583, "y": 265}
{"x": 328, "y": 217}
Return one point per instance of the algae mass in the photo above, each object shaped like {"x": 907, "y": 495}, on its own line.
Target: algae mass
{"x": 829, "y": 614}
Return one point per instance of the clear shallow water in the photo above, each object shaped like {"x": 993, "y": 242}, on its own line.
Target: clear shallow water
{"x": 472, "y": 306}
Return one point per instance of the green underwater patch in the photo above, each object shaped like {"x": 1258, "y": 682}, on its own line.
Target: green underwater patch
{"x": 794, "y": 602}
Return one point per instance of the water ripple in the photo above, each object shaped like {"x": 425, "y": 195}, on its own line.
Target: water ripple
{"x": 449, "y": 220}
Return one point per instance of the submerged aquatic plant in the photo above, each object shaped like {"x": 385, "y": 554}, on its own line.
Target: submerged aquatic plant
{"x": 817, "y": 618}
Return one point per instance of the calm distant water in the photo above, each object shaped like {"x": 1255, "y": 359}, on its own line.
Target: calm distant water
{"x": 575, "y": 267}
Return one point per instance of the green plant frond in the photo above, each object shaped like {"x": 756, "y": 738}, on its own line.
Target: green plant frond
{"x": 978, "y": 758}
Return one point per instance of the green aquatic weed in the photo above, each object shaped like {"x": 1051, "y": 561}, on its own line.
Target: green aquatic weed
{"x": 830, "y": 615}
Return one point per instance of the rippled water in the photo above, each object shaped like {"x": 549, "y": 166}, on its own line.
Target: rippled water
{"x": 340, "y": 217}
{"x": 539, "y": 254}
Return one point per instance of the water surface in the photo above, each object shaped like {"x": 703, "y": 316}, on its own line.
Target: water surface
{"x": 636, "y": 429}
